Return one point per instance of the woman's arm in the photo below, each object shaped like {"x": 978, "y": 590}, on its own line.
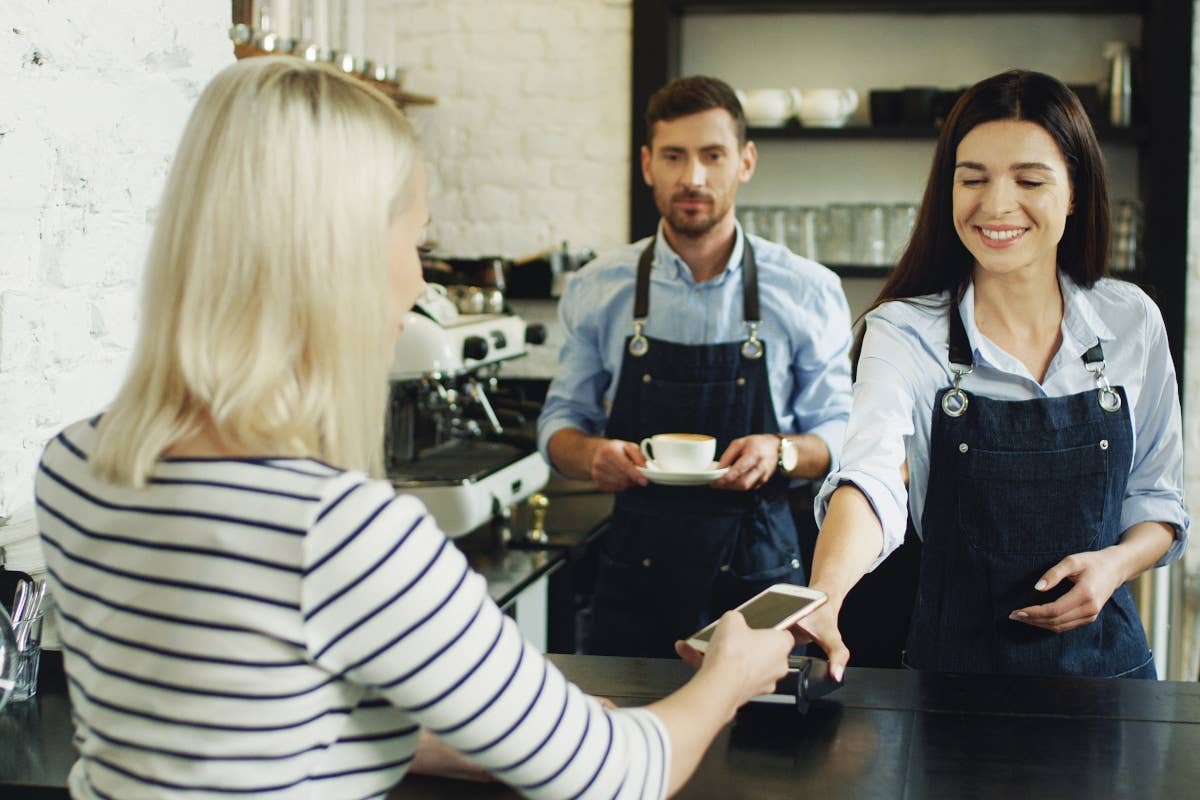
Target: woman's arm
{"x": 740, "y": 664}
{"x": 850, "y": 541}
{"x": 392, "y": 605}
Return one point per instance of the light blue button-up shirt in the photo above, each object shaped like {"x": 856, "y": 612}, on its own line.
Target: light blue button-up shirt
{"x": 805, "y": 325}
{"x": 904, "y": 363}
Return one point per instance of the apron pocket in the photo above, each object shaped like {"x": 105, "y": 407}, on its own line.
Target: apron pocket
{"x": 1032, "y": 503}
{"x": 767, "y": 546}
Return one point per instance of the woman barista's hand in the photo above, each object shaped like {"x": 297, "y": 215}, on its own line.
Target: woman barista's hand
{"x": 821, "y": 627}
{"x": 1096, "y": 576}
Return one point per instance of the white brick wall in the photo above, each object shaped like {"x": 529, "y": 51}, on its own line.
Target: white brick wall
{"x": 528, "y": 143}
{"x": 93, "y": 97}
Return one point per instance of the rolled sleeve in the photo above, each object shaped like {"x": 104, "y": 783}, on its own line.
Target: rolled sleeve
{"x": 1155, "y": 489}
{"x": 823, "y": 394}
{"x": 575, "y": 398}
{"x": 881, "y": 419}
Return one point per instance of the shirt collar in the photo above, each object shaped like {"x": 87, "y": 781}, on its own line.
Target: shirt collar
{"x": 1082, "y": 326}
{"x": 669, "y": 264}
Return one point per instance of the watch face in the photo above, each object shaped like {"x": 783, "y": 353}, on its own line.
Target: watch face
{"x": 787, "y": 454}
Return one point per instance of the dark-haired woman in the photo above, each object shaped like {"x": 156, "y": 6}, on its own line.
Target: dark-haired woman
{"x": 1030, "y": 401}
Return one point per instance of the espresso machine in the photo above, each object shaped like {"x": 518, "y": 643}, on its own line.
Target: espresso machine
{"x": 447, "y": 442}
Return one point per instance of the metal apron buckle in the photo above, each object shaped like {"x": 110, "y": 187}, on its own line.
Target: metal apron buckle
{"x": 638, "y": 345}
{"x": 752, "y": 348}
{"x": 1108, "y": 398}
{"x": 954, "y": 402}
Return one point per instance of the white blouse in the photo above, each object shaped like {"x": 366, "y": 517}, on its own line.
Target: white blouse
{"x": 904, "y": 363}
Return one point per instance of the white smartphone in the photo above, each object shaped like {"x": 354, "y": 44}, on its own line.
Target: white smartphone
{"x": 776, "y": 606}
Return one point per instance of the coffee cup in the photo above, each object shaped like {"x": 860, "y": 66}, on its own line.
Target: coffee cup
{"x": 680, "y": 452}
{"x": 827, "y": 108}
{"x": 768, "y": 108}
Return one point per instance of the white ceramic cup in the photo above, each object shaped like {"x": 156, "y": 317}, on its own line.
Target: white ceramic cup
{"x": 766, "y": 108}
{"x": 827, "y": 108}
{"x": 680, "y": 452}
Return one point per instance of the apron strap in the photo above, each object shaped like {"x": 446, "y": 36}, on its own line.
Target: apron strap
{"x": 962, "y": 362}
{"x": 752, "y": 348}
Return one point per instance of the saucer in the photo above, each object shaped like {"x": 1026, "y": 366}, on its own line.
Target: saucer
{"x": 666, "y": 477}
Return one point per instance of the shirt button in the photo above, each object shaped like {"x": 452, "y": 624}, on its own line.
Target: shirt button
{"x": 1104, "y": 444}
{"x": 962, "y": 448}
{"x": 724, "y": 568}
{"x": 646, "y": 562}
{"x": 795, "y": 563}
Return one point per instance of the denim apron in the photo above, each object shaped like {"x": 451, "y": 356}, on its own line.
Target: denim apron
{"x": 1015, "y": 487}
{"x": 676, "y": 557}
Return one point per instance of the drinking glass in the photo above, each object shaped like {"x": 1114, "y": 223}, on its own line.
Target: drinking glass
{"x": 836, "y": 232}
{"x": 868, "y": 242}
{"x": 803, "y": 229}
{"x": 901, "y": 217}
{"x": 28, "y": 635}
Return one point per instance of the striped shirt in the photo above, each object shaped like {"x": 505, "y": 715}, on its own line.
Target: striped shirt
{"x": 279, "y": 628}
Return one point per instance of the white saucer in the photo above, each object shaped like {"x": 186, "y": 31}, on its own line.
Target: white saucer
{"x": 657, "y": 474}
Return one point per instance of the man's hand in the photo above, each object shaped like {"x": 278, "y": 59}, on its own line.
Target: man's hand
{"x": 1096, "y": 576}
{"x": 751, "y": 461}
{"x": 615, "y": 463}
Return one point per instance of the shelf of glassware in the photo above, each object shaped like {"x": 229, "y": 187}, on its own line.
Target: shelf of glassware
{"x": 392, "y": 90}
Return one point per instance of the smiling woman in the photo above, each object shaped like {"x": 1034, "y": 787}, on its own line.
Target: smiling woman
{"x": 983, "y": 374}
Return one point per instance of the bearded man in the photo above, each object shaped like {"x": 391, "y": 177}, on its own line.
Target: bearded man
{"x": 702, "y": 330}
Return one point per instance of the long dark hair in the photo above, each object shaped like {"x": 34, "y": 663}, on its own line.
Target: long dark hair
{"x": 936, "y": 259}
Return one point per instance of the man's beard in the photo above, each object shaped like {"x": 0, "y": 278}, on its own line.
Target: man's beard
{"x": 693, "y": 225}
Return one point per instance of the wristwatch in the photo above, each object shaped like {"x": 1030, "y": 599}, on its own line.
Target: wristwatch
{"x": 788, "y": 457}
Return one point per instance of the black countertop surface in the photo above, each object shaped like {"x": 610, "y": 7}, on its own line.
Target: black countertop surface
{"x": 903, "y": 734}
{"x": 884, "y": 734}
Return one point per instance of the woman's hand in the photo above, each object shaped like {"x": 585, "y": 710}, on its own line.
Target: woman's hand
{"x": 749, "y": 661}
{"x": 821, "y": 627}
{"x": 1096, "y": 576}
{"x": 434, "y": 757}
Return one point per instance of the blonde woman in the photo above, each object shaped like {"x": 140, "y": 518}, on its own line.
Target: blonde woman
{"x": 243, "y": 609}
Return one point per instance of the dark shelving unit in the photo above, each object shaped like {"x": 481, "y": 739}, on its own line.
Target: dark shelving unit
{"x": 909, "y": 6}
{"x": 1163, "y": 137}
{"x": 794, "y": 130}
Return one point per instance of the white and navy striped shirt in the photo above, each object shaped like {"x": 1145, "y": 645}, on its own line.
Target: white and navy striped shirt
{"x": 279, "y": 628}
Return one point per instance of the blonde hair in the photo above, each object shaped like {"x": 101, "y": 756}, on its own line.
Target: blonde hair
{"x": 265, "y": 302}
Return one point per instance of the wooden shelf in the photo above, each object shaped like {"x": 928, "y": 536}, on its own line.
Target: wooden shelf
{"x": 794, "y": 130}
{"x": 403, "y": 98}
{"x": 909, "y": 6}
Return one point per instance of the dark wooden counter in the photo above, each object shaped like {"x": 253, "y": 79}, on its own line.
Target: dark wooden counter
{"x": 896, "y": 733}
{"x": 885, "y": 734}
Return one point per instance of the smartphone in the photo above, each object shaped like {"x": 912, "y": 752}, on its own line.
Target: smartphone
{"x": 776, "y": 606}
